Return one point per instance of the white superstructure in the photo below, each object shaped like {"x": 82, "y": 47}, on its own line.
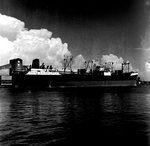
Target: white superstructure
{"x": 42, "y": 72}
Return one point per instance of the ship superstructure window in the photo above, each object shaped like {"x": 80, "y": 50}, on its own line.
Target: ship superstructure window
{"x": 18, "y": 63}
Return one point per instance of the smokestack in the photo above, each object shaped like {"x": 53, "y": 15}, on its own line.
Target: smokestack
{"x": 36, "y": 63}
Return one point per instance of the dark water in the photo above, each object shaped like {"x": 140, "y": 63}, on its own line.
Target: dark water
{"x": 75, "y": 117}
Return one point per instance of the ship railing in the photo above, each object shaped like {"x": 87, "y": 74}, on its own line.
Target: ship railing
{"x": 39, "y": 71}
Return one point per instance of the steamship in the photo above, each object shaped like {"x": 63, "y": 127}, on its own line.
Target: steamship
{"x": 36, "y": 76}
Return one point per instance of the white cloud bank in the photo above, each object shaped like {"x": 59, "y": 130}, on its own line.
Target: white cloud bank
{"x": 17, "y": 41}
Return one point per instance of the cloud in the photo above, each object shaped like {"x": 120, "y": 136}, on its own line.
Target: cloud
{"x": 142, "y": 49}
{"x": 38, "y": 44}
{"x": 6, "y": 50}
{"x": 147, "y": 67}
{"x": 117, "y": 61}
{"x": 146, "y": 39}
{"x": 112, "y": 58}
{"x": 17, "y": 41}
{"x": 78, "y": 62}
{"x": 10, "y": 27}
{"x": 147, "y": 3}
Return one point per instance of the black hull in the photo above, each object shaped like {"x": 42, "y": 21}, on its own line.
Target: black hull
{"x": 71, "y": 81}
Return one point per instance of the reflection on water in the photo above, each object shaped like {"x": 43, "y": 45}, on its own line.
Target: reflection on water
{"x": 75, "y": 117}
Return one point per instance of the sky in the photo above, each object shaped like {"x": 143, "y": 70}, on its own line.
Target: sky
{"x": 103, "y": 30}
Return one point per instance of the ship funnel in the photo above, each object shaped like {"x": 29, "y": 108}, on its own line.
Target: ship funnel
{"x": 35, "y": 63}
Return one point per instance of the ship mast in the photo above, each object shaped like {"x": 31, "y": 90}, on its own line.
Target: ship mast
{"x": 89, "y": 65}
{"x": 125, "y": 67}
{"x": 68, "y": 62}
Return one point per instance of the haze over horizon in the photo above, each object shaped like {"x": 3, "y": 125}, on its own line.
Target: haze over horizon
{"x": 93, "y": 29}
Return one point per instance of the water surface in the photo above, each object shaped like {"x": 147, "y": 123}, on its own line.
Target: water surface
{"x": 54, "y": 117}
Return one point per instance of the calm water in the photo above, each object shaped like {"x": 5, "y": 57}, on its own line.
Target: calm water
{"x": 75, "y": 117}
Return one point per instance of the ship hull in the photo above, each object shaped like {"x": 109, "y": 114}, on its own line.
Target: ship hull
{"x": 71, "y": 81}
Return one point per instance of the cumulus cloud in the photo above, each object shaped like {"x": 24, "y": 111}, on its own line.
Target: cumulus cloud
{"x": 112, "y": 58}
{"x": 117, "y": 61}
{"x": 39, "y": 44}
{"x": 17, "y": 41}
{"x": 147, "y": 66}
{"x": 78, "y": 62}
{"x": 10, "y": 27}
{"x": 6, "y": 50}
